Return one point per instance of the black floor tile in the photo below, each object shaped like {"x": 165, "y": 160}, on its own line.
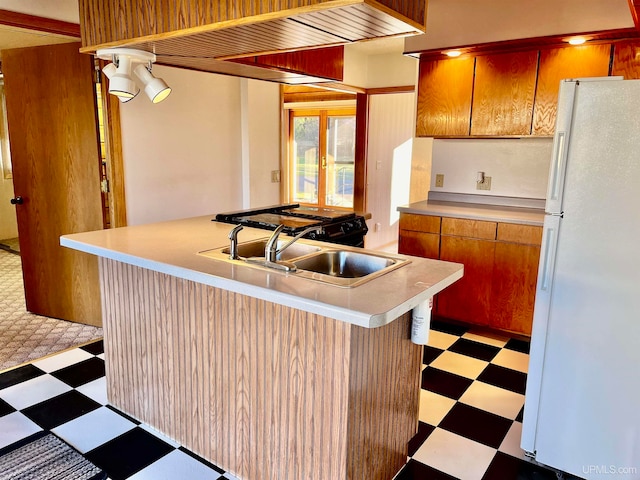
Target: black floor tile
{"x": 415, "y": 470}
{"x": 424, "y": 430}
{"x": 129, "y": 453}
{"x": 444, "y": 383}
{"x": 520, "y": 416}
{"x": 505, "y": 466}
{"x": 518, "y": 345}
{"x": 504, "y": 378}
{"x": 95, "y": 348}
{"x": 19, "y": 375}
{"x": 5, "y": 408}
{"x": 478, "y": 350}
{"x": 446, "y": 327}
{"x": 61, "y": 409}
{"x": 430, "y": 354}
{"x": 81, "y": 372}
{"x": 475, "y": 424}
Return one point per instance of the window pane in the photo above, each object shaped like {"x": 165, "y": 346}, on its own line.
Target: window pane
{"x": 306, "y": 145}
{"x": 341, "y": 139}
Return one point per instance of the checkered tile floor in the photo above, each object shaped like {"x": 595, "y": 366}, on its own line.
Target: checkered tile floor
{"x": 470, "y": 414}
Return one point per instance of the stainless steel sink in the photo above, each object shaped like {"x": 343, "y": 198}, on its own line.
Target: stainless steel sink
{"x": 339, "y": 266}
{"x": 346, "y": 268}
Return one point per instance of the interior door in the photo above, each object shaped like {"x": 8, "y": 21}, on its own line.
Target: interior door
{"x": 53, "y": 134}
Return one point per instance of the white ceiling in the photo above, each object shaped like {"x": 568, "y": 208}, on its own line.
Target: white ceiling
{"x": 456, "y": 23}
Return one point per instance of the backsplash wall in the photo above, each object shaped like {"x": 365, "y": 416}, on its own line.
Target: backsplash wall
{"x": 517, "y": 167}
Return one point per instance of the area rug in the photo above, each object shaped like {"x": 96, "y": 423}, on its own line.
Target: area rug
{"x": 43, "y": 456}
{"x": 25, "y": 337}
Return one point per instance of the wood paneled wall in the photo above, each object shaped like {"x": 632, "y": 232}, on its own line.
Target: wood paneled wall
{"x": 262, "y": 390}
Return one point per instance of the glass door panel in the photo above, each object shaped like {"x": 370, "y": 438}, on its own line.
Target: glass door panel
{"x": 306, "y": 151}
{"x": 339, "y": 161}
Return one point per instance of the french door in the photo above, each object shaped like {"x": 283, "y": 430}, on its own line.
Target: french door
{"x": 322, "y": 157}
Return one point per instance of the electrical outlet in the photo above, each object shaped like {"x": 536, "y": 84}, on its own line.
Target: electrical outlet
{"x": 439, "y": 180}
{"x": 275, "y": 176}
{"x": 486, "y": 185}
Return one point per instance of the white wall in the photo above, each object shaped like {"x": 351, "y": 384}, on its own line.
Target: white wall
{"x": 8, "y": 224}
{"x": 182, "y": 156}
{"x": 209, "y": 147}
{"x": 517, "y": 167}
{"x": 369, "y": 70}
{"x": 264, "y": 113}
{"x": 391, "y": 130}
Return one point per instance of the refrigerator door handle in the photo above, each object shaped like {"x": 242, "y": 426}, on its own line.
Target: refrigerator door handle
{"x": 557, "y": 166}
{"x": 547, "y": 257}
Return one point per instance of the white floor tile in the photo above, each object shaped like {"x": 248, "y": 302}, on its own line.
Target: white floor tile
{"x": 459, "y": 364}
{"x": 489, "y": 338}
{"x": 93, "y": 429}
{"x": 512, "y": 359}
{"x": 176, "y": 466}
{"x": 96, "y": 390}
{"x": 493, "y": 399}
{"x": 101, "y": 356}
{"x": 511, "y": 443}
{"x": 61, "y": 360}
{"x": 455, "y": 455}
{"x": 441, "y": 340}
{"x": 434, "y": 407}
{"x": 15, "y": 426}
{"x": 33, "y": 391}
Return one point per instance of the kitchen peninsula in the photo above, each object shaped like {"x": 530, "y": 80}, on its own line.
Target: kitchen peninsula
{"x": 265, "y": 373}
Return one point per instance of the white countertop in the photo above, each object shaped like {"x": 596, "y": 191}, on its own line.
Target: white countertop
{"x": 172, "y": 248}
{"x": 475, "y": 211}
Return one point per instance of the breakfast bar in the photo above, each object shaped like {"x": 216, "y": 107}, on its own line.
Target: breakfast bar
{"x": 266, "y": 373}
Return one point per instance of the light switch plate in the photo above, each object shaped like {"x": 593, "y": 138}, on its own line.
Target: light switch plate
{"x": 275, "y": 176}
{"x": 439, "y": 180}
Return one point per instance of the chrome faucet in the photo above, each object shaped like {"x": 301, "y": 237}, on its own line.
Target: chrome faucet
{"x": 233, "y": 246}
{"x": 271, "y": 249}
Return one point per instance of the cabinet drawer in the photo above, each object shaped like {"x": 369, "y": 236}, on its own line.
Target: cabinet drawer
{"x": 419, "y": 244}
{"x": 524, "y": 234}
{"x": 469, "y": 228}
{"x": 420, "y": 223}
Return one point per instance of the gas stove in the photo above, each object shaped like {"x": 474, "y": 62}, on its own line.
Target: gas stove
{"x": 346, "y": 228}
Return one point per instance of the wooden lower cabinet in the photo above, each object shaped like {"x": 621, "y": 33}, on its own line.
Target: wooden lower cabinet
{"x": 500, "y": 268}
{"x": 469, "y": 299}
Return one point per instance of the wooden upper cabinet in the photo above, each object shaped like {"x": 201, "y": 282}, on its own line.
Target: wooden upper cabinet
{"x": 626, "y": 60}
{"x": 557, "y": 64}
{"x": 444, "y": 97}
{"x": 503, "y": 94}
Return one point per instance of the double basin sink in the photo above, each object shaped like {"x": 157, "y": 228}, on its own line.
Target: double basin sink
{"x": 335, "y": 265}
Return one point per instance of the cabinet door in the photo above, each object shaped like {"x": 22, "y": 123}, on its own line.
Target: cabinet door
{"x": 469, "y": 298}
{"x": 503, "y": 94}
{"x": 557, "y": 64}
{"x": 513, "y": 286}
{"x": 420, "y": 223}
{"x": 626, "y": 60}
{"x": 444, "y": 97}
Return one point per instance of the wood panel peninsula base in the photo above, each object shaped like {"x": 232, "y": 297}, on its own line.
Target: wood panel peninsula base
{"x": 263, "y": 390}
{"x": 268, "y": 374}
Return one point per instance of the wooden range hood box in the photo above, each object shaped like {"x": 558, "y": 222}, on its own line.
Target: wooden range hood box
{"x": 203, "y": 34}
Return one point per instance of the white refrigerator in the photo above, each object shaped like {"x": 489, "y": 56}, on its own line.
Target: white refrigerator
{"x": 582, "y": 402}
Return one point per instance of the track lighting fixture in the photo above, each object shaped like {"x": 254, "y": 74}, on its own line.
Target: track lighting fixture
{"x": 110, "y": 71}
{"x": 125, "y": 62}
